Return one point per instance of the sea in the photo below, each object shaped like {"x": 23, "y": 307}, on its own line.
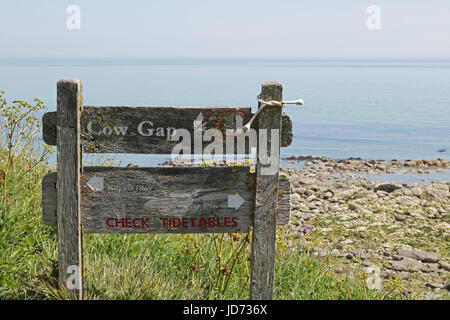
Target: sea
{"x": 380, "y": 109}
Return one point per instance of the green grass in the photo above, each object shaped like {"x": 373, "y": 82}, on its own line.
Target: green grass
{"x": 145, "y": 266}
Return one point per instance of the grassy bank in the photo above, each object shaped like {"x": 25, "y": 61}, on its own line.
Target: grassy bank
{"x": 145, "y": 266}
{"x": 140, "y": 266}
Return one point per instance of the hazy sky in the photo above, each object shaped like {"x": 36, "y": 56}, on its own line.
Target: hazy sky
{"x": 231, "y": 28}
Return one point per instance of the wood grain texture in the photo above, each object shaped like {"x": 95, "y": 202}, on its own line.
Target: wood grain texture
{"x": 49, "y": 201}
{"x": 210, "y": 200}
{"x": 264, "y": 226}
{"x": 165, "y": 118}
{"x": 219, "y": 117}
{"x": 286, "y": 130}
{"x": 284, "y": 200}
{"x": 49, "y": 128}
{"x": 69, "y": 102}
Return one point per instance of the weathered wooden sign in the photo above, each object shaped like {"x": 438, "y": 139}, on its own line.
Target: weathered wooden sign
{"x": 149, "y": 129}
{"x": 162, "y": 200}
{"x": 170, "y": 200}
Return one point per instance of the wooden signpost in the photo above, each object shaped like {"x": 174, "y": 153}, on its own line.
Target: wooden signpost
{"x": 164, "y": 199}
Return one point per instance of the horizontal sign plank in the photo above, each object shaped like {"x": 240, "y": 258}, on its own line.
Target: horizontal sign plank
{"x": 284, "y": 200}
{"x": 166, "y": 200}
{"x": 49, "y": 128}
{"x": 148, "y": 129}
{"x": 49, "y": 199}
{"x": 232, "y": 199}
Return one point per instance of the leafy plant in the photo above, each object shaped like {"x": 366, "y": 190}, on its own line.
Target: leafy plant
{"x": 20, "y": 127}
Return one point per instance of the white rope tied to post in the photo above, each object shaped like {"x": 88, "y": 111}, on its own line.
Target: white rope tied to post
{"x": 272, "y": 103}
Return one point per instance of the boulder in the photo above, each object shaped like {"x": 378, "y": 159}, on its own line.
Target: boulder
{"x": 346, "y": 194}
{"x": 445, "y": 265}
{"x": 429, "y": 267}
{"x": 387, "y": 187}
{"x": 409, "y": 201}
{"x": 406, "y": 264}
{"x": 410, "y": 163}
{"x": 436, "y": 191}
{"x": 358, "y": 208}
{"x": 295, "y": 198}
{"x": 417, "y": 191}
{"x": 418, "y": 255}
{"x": 306, "y": 181}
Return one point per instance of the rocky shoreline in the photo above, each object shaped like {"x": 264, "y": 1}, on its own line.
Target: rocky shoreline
{"x": 400, "y": 230}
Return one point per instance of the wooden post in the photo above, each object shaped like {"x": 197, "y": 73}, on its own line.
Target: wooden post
{"x": 264, "y": 226}
{"x": 69, "y": 103}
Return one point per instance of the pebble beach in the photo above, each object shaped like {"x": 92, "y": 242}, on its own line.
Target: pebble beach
{"x": 401, "y": 231}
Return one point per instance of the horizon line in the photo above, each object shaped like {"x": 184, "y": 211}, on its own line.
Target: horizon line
{"x": 330, "y": 58}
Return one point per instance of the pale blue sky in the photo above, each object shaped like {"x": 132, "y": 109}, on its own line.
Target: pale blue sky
{"x": 232, "y": 28}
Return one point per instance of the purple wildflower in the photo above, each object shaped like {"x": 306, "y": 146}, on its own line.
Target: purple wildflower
{"x": 405, "y": 292}
{"x": 305, "y": 230}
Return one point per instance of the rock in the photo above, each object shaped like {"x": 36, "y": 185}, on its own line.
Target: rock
{"x": 410, "y": 163}
{"x": 346, "y": 194}
{"x": 410, "y": 201}
{"x": 429, "y": 267}
{"x": 436, "y": 191}
{"x": 445, "y": 266}
{"x": 400, "y": 217}
{"x": 295, "y": 197}
{"x": 407, "y": 192}
{"x": 435, "y": 285}
{"x": 406, "y": 264}
{"x": 417, "y": 191}
{"x": 349, "y": 256}
{"x": 432, "y": 212}
{"x": 306, "y": 181}
{"x": 327, "y": 195}
{"x": 404, "y": 275}
{"x": 430, "y": 295}
{"x": 300, "y": 190}
{"x": 381, "y": 194}
{"x": 436, "y": 162}
{"x": 132, "y": 165}
{"x": 388, "y": 187}
{"x": 339, "y": 268}
{"x": 362, "y": 194}
{"x": 418, "y": 255}
{"x": 398, "y": 192}
{"x": 358, "y": 208}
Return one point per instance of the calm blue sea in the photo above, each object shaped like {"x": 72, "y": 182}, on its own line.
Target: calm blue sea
{"x": 373, "y": 109}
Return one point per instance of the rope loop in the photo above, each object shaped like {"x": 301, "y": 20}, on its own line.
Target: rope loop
{"x": 272, "y": 103}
